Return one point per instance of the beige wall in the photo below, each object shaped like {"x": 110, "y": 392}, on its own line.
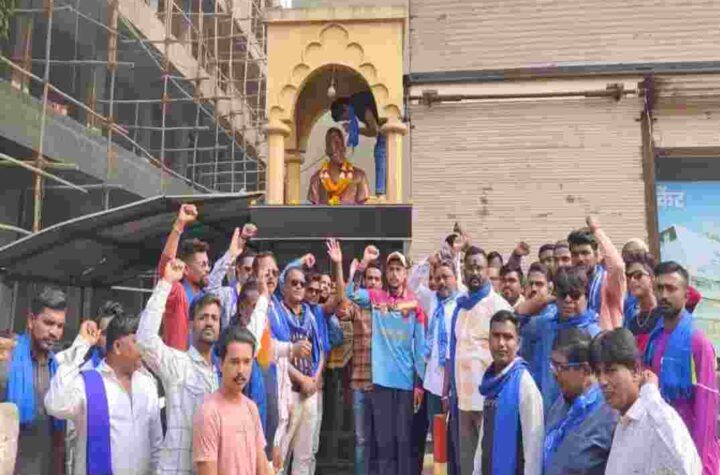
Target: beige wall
{"x": 532, "y": 170}
{"x": 487, "y": 34}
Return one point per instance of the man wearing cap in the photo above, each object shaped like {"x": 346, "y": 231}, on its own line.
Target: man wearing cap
{"x": 398, "y": 364}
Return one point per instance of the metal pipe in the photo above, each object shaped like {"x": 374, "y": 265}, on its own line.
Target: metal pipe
{"x": 613, "y": 90}
{"x": 38, "y": 171}
{"x": 95, "y": 186}
{"x": 61, "y": 166}
{"x": 41, "y": 10}
{"x": 72, "y": 62}
{"x": 147, "y": 127}
{"x": 15, "y": 229}
{"x": 190, "y": 149}
{"x": 131, "y": 289}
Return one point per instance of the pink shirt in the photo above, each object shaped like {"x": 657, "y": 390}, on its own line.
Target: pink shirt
{"x": 700, "y": 412}
{"x": 229, "y": 434}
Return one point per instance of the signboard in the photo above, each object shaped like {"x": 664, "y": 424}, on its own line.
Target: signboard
{"x": 689, "y": 225}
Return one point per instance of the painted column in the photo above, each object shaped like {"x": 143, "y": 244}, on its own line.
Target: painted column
{"x": 275, "y": 179}
{"x": 394, "y": 131}
{"x": 293, "y": 160}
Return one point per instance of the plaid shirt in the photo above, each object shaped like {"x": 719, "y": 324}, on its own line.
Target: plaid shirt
{"x": 186, "y": 377}
{"x": 362, "y": 343}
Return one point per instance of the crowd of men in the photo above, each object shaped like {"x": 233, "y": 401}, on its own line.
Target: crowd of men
{"x": 588, "y": 363}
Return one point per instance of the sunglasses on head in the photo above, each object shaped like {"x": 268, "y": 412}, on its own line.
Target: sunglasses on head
{"x": 574, "y": 294}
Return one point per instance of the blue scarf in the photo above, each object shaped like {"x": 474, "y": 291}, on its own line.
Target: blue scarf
{"x": 595, "y": 291}
{"x": 505, "y": 388}
{"x": 469, "y": 300}
{"x": 98, "y": 459}
{"x": 307, "y": 327}
{"x": 581, "y": 407}
{"x": 677, "y": 374}
{"x": 20, "y": 384}
{"x": 96, "y": 355}
{"x": 278, "y": 324}
{"x": 354, "y": 129}
{"x": 438, "y": 319}
{"x": 629, "y": 309}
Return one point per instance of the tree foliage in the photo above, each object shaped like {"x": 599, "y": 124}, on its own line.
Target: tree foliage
{"x": 7, "y": 9}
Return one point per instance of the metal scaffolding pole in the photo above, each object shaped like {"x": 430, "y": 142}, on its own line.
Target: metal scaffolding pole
{"x": 112, "y": 67}
{"x": 41, "y": 172}
{"x": 38, "y": 192}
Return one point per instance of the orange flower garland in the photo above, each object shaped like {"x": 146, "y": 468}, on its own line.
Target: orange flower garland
{"x": 333, "y": 189}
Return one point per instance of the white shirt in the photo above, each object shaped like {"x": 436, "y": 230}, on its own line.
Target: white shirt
{"x": 651, "y": 438}
{"x": 434, "y": 373}
{"x": 135, "y": 428}
{"x": 472, "y": 350}
{"x": 532, "y": 427}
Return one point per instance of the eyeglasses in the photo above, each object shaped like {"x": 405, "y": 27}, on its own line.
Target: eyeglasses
{"x": 574, "y": 294}
{"x": 637, "y": 275}
{"x": 297, "y": 283}
{"x": 560, "y": 367}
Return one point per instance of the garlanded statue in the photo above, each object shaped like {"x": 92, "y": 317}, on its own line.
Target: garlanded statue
{"x": 338, "y": 181}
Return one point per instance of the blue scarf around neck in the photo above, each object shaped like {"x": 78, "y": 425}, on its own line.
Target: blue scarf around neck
{"x": 98, "y": 458}
{"x": 96, "y": 355}
{"x": 581, "y": 407}
{"x": 469, "y": 300}
{"x": 21, "y": 383}
{"x": 354, "y": 129}
{"x": 278, "y": 323}
{"x": 677, "y": 374}
{"x": 595, "y": 291}
{"x": 505, "y": 389}
{"x": 438, "y": 319}
{"x": 306, "y": 325}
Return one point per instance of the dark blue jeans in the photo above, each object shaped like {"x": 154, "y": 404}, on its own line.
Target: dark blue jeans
{"x": 362, "y": 411}
{"x": 272, "y": 416}
{"x": 380, "y": 154}
{"x": 392, "y": 414}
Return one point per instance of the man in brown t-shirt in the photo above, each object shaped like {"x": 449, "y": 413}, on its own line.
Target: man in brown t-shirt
{"x": 338, "y": 181}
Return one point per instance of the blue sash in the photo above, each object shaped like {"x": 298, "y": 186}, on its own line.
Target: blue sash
{"x": 595, "y": 291}
{"x": 505, "y": 389}
{"x": 20, "y": 388}
{"x": 677, "y": 375}
{"x": 98, "y": 458}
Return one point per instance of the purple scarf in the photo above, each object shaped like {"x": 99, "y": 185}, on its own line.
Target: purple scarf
{"x": 98, "y": 454}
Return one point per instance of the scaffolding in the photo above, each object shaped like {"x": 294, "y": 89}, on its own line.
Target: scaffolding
{"x": 181, "y": 84}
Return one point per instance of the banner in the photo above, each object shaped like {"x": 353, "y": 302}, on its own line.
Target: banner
{"x": 689, "y": 226}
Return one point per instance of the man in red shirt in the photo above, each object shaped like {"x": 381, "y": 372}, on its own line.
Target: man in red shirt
{"x": 197, "y": 268}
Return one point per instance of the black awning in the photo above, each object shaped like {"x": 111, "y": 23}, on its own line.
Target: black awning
{"x": 114, "y": 246}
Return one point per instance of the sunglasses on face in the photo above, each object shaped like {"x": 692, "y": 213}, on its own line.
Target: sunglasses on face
{"x": 637, "y": 275}
{"x": 556, "y": 367}
{"x": 297, "y": 283}
{"x": 312, "y": 290}
{"x": 574, "y": 294}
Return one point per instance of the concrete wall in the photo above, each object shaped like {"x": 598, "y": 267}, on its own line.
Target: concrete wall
{"x": 451, "y": 35}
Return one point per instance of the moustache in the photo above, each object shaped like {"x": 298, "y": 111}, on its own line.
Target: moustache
{"x": 239, "y": 379}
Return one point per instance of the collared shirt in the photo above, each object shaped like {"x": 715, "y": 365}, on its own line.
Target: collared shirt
{"x": 176, "y": 330}
{"x": 652, "y": 439}
{"x": 361, "y": 379}
{"x": 186, "y": 377}
{"x": 34, "y": 444}
{"x": 434, "y": 373}
{"x": 472, "y": 351}
{"x": 532, "y": 428}
{"x": 135, "y": 428}
{"x": 585, "y": 448}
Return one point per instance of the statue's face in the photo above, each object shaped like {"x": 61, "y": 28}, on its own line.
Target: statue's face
{"x": 336, "y": 148}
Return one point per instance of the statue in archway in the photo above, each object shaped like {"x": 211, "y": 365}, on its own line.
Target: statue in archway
{"x": 361, "y": 108}
{"x": 338, "y": 181}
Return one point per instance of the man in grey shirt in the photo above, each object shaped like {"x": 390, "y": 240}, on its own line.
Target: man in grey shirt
{"x": 25, "y": 379}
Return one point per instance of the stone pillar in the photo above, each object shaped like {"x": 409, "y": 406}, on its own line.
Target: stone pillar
{"x": 293, "y": 160}
{"x": 275, "y": 179}
{"x": 394, "y": 131}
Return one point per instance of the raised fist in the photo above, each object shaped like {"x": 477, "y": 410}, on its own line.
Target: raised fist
{"x": 522, "y": 249}
{"x": 308, "y": 260}
{"x": 187, "y": 214}
{"x": 593, "y": 223}
{"x": 90, "y": 332}
{"x": 248, "y": 231}
{"x": 174, "y": 271}
{"x": 371, "y": 254}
